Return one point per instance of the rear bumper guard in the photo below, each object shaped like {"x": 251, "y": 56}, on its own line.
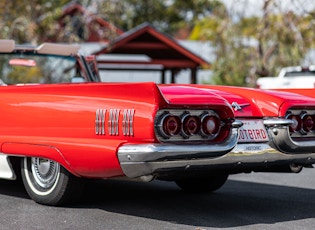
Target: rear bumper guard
{"x": 280, "y": 139}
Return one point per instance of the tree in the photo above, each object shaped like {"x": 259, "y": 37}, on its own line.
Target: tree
{"x": 166, "y": 16}
{"x": 35, "y": 21}
{"x": 29, "y": 21}
{"x": 253, "y": 47}
{"x": 247, "y": 47}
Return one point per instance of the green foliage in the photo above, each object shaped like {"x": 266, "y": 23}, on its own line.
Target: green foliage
{"x": 37, "y": 21}
{"x": 23, "y": 74}
{"x": 253, "y": 47}
{"x": 246, "y": 47}
{"x": 29, "y": 21}
{"x": 167, "y": 16}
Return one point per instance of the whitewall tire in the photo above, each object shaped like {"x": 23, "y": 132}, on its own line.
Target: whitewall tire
{"x": 47, "y": 182}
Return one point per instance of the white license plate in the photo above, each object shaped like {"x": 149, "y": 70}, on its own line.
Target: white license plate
{"x": 253, "y": 131}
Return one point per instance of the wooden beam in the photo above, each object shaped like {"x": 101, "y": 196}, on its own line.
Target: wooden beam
{"x": 115, "y": 68}
{"x": 167, "y": 63}
{"x": 145, "y": 45}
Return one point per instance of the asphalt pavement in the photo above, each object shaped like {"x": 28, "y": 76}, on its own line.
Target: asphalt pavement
{"x": 246, "y": 201}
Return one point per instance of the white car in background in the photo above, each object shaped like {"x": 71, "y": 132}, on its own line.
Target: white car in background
{"x": 290, "y": 77}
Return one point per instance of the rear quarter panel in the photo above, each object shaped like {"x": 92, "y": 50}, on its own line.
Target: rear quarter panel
{"x": 59, "y": 122}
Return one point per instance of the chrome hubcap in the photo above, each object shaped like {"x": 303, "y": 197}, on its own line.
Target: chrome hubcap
{"x": 45, "y": 171}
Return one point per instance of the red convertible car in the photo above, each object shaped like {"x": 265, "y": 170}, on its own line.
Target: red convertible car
{"x": 60, "y": 124}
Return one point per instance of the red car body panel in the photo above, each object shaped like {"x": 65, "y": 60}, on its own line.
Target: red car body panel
{"x": 176, "y": 94}
{"x": 58, "y": 121}
{"x": 261, "y": 103}
{"x": 305, "y": 92}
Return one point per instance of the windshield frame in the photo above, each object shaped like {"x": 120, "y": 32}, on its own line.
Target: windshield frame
{"x": 79, "y": 62}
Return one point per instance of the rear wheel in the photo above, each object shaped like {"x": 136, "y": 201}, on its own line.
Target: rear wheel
{"x": 202, "y": 184}
{"x": 47, "y": 182}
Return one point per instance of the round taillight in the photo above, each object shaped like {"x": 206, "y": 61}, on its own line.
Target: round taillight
{"x": 210, "y": 125}
{"x": 171, "y": 125}
{"x": 308, "y": 123}
{"x": 191, "y": 125}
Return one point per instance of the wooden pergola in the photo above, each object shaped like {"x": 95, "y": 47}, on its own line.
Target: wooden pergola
{"x": 163, "y": 53}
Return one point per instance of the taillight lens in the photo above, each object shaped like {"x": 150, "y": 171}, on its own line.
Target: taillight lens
{"x": 171, "y": 125}
{"x": 191, "y": 125}
{"x": 297, "y": 123}
{"x": 308, "y": 123}
{"x": 210, "y": 125}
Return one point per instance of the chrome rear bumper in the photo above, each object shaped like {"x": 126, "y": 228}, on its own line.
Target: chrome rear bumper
{"x": 146, "y": 159}
{"x": 151, "y": 159}
{"x": 137, "y": 160}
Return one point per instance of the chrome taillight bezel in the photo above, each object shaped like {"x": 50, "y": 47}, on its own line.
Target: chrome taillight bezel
{"x": 304, "y": 122}
{"x": 191, "y": 125}
{"x": 205, "y": 130}
{"x": 166, "y": 123}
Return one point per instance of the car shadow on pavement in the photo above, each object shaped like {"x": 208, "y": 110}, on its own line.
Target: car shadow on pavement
{"x": 235, "y": 204}
{"x": 13, "y": 188}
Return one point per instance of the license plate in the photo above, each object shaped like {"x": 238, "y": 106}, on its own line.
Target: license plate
{"x": 253, "y": 131}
